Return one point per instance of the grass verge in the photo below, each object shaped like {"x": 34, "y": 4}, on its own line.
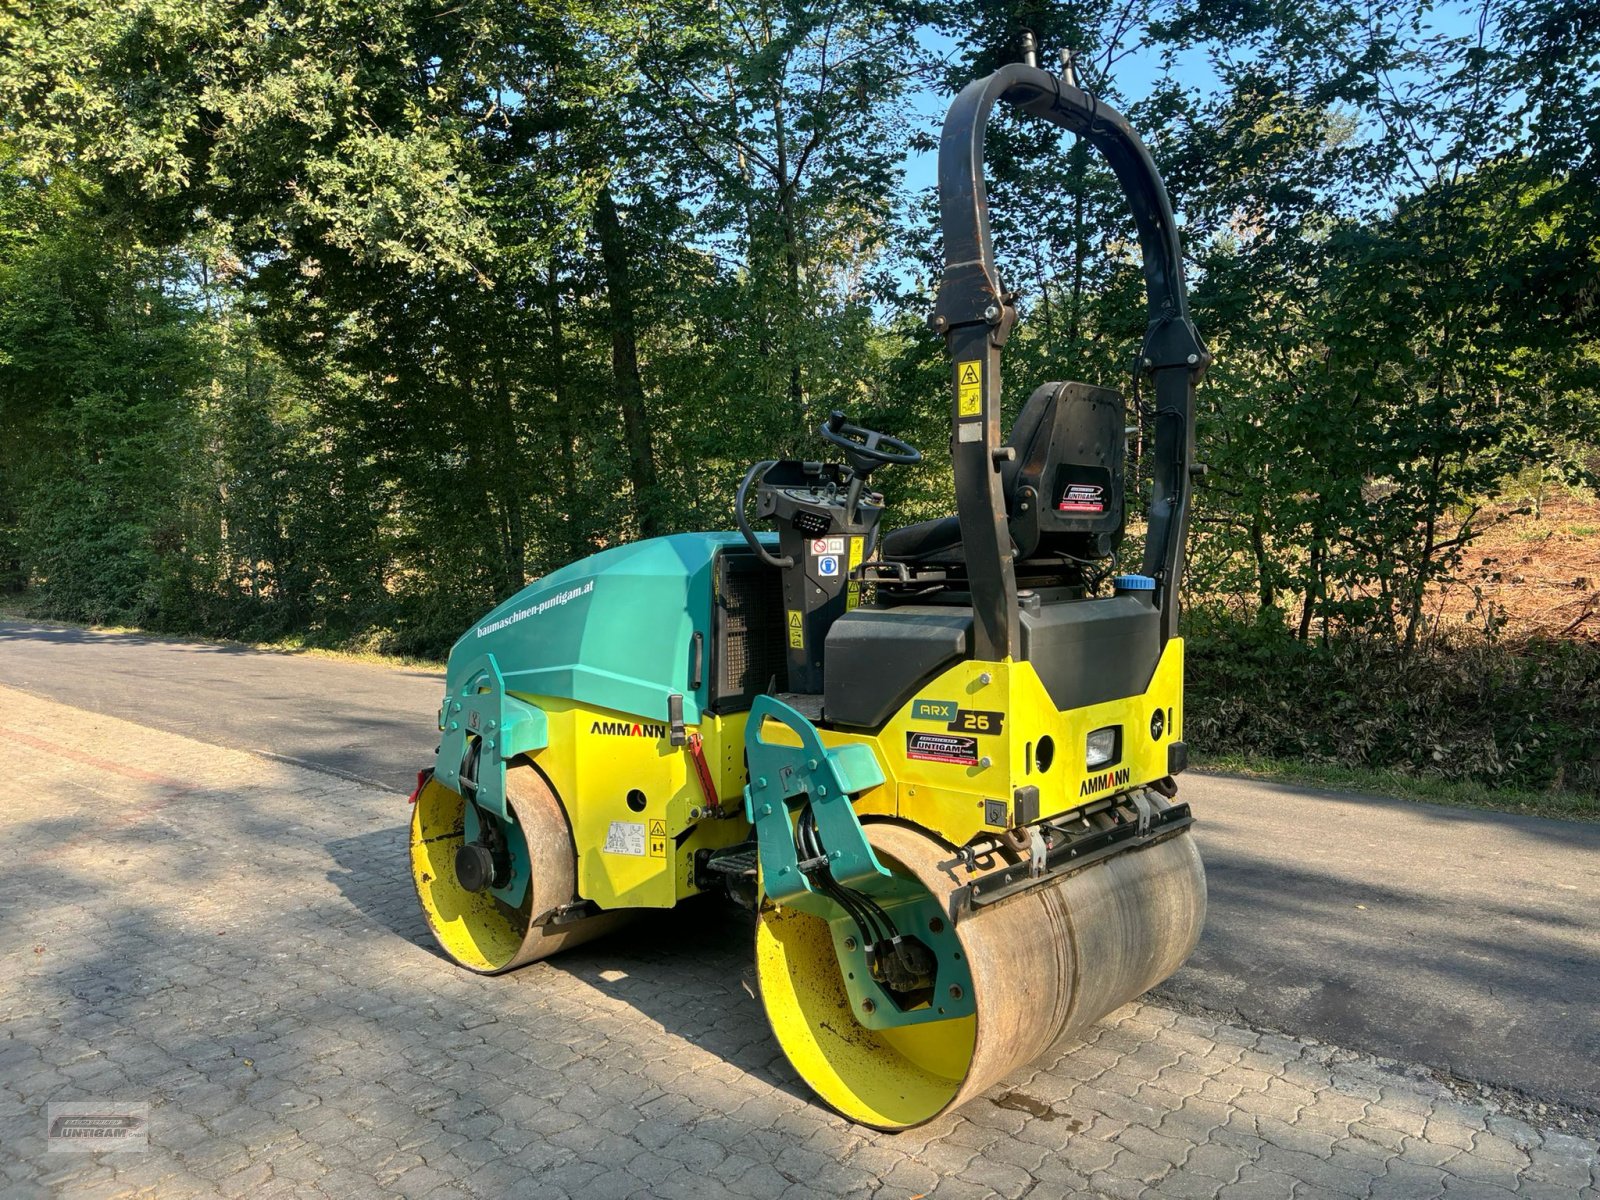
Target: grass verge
{"x": 1571, "y": 806}
{"x": 16, "y": 610}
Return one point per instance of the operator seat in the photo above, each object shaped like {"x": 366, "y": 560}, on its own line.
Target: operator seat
{"x": 1063, "y": 486}
{"x": 1063, "y": 491}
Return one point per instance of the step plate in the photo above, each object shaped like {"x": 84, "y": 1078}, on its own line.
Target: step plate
{"x": 740, "y": 862}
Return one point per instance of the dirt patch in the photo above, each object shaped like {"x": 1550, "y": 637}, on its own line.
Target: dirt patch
{"x": 1530, "y": 575}
{"x": 1035, "y": 1108}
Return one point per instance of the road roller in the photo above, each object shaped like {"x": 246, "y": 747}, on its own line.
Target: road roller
{"x": 938, "y": 764}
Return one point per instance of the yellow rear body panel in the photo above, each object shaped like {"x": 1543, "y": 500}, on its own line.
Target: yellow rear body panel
{"x": 963, "y": 741}
{"x": 952, "y": 760}
{"x": 634, "y": 802}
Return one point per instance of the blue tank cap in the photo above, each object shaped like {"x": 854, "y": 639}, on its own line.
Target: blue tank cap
{"x": 1133, "y": 583}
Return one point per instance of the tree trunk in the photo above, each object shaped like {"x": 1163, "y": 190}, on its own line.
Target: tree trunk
{"x": 625, "y": 364}
{"x": 508, "y": 488}
{"x": 1078, "y": 157}
{"x": 1308, "y": 610}
{"x": 1423, "y": 570}
{"x": 1258, "y": 547}
{"x": 565, "y": 422}
{"x": 789, "y": 228}
{"x": 791, "y": 262}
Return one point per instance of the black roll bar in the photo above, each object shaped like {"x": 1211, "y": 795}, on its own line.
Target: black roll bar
{"x": 976, "y": 314}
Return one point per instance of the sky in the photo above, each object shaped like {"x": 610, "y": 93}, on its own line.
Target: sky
{"x": 1136, "y": 75}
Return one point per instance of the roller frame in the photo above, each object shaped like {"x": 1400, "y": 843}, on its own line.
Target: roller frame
{"x": 482, "y": 729}
{"x": 480, "y": 710}
{"x": 784, "y": 780}
{"x": 824, "y": 776}
{"x": 1074, "y": 852}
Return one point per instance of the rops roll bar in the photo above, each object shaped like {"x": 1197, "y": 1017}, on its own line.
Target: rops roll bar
{"x": 975, "y": 314}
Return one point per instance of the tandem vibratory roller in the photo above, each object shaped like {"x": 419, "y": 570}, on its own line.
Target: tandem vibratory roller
{"x": 937, "y": 763}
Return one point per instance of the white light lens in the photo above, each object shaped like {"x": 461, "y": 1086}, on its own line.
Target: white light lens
{"x": 1102, "y": 747}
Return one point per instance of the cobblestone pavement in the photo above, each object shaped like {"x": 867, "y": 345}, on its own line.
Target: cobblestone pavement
{"x": 233, "y": 940}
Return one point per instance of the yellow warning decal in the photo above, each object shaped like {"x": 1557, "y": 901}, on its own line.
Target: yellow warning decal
{"x": 658, "y": 839}
{"x": 797, "y": 632}
{"x": 969, "y": 388}
{"x": 852, "y": 595}
{"x": 658, "y": 829}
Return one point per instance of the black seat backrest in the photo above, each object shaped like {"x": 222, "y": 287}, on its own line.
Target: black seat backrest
{"x": 1064, "y": 488}
{"x": 1068, "y": 445}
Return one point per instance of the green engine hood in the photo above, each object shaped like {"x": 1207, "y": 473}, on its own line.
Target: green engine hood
{"x": 614, "y": 630}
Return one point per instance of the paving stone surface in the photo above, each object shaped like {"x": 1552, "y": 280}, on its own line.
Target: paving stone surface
{"x": 233, "y": 941}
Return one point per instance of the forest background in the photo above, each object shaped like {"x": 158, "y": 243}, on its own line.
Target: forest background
{"x": 336, "y": 321}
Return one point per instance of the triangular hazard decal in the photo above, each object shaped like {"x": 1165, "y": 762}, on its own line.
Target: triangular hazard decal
{"x": 969, "y": 373}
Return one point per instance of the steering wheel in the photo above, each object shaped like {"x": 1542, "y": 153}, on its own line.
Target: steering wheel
{"x": 867, "y": 449}
{"x": 756, "y": 472}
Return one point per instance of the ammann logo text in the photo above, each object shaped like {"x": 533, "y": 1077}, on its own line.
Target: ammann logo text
{"x": 628, "y": 729}
{"x": 1099, "y": 783}
{"x": 533, "y": 610}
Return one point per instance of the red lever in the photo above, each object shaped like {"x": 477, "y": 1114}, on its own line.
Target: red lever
{"x": 422, "y": 781}
{"x": 702, "y": 769}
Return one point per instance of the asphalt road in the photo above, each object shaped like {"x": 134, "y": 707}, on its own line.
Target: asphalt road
{"x": 1461, "y": 940}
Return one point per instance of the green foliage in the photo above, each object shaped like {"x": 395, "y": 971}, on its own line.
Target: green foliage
{"x": 464, "y": 291}
{"x": 96, "y": 410}
{"x": 1393, "y": 277}
{"x": 1459, "y": 709}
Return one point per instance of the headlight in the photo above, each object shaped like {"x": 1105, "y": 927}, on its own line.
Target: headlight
{"x": 1102, "y": 746}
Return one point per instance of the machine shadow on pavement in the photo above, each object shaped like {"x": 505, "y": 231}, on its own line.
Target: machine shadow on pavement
{"x": 703, "y": 949}
{"x": 687, "y": 968}
{"x": 249, "y": 1007}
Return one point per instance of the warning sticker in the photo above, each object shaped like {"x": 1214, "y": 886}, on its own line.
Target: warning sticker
{"x": 969, "y": 388}
{"x": 797, "y": 630}
{"x": 625, "y": 837}
{"x": 942, "y": 747}
{"x": 1083, "y": 497}
{"x": 828, "y": 565}
{"x": 819, "y": 545}
{"x": 853, "y": 592}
